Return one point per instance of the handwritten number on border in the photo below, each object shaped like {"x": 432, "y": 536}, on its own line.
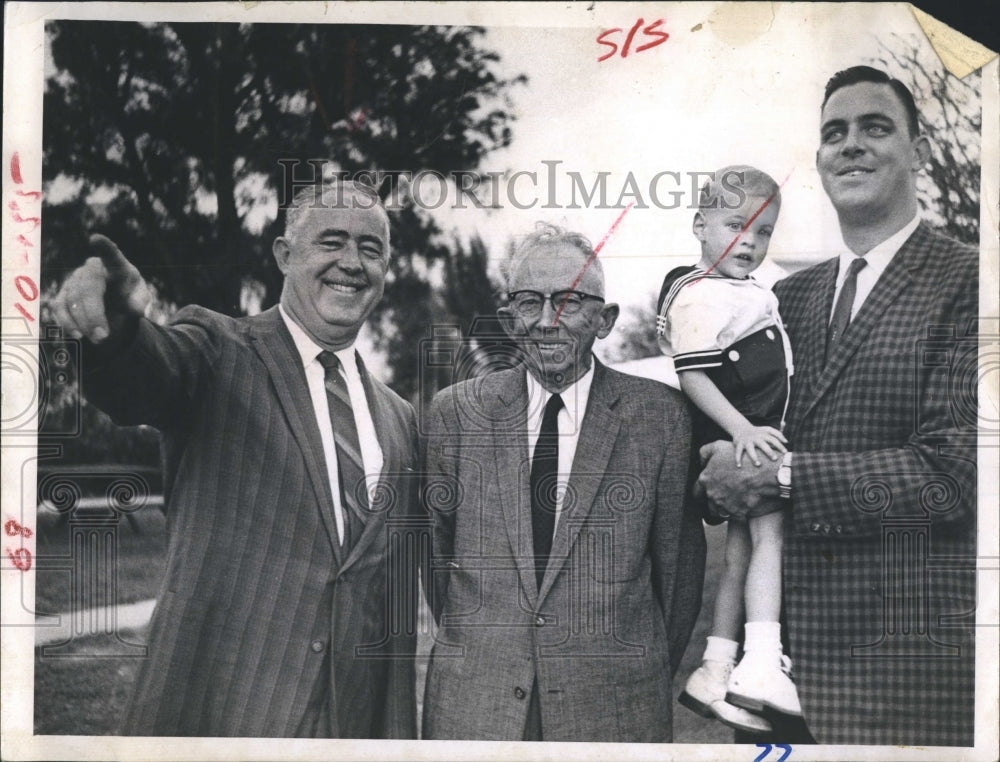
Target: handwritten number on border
{"x": 786, "y": 749}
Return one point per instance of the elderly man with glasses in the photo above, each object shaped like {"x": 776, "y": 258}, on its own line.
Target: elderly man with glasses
{"x": 566, "y": 570}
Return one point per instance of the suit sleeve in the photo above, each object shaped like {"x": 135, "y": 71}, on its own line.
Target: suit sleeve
{"x": 440, "y": 495}
{"x": 399, "y": 719}
{"x": 678, "y": 537}
{"x": 931, "y": 475}
{"x": 153, "y": 377}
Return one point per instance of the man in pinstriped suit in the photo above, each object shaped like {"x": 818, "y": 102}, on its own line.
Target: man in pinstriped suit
{"x": 290, "y": 469}
{"x": 880, "y": 481}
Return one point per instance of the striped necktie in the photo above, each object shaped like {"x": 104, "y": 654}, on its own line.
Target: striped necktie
{"x": 350, "y": 467}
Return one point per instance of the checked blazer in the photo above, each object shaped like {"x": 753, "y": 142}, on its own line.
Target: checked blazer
{"x": 880, "y": 549}
{"x": 620, "y": 596}
{"x": 260, "y": 605}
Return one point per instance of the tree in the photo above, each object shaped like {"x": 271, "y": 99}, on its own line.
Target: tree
{"x": 950, "y": 113}
{"x": 180, "y": 141}
{"x": 634, "y": 337}
{"x": 455, "y": 313}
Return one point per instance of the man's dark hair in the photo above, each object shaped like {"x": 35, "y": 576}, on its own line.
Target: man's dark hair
{"x": 857, "y": 74}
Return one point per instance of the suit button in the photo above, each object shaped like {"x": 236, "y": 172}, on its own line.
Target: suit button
{"x": 519, "y": 692}
{"x": 826, "y": 529}
{"x": 317, "y": 646}
{"x": 815, "y": 528}
{"x": 539, "y": 621}
{"x": 838, "y": 529}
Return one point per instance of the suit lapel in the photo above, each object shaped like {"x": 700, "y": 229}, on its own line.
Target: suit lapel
{"x": 893, "y": 282}
{"x": 388, "y": 435}
{"x": 819, "y": 303}
{"x": 508, "y": 411}
{"x": 274, "y": 345}
{"x": 598, "y": 433}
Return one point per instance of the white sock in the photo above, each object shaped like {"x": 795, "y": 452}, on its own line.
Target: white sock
{"x": 763, "y": 640}
{"x": 720, "y": 649}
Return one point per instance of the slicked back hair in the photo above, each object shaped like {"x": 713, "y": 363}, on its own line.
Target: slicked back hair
{"x": 858, "y": 74}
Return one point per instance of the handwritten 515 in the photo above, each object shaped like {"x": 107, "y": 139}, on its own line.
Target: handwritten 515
{"x": 649, "y": 32}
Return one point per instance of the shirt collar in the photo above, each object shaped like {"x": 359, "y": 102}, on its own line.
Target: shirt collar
{"x": 879, "y": 257}
{"x": 713, "y": 273}
{"x": 309, "y": 350}
{"x": 574, "y": 396}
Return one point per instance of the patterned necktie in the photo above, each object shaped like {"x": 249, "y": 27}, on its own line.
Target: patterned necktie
{"x": 350, "y": 467}
{"x": 845, "y": 302}
{"x": 544, "y": 476}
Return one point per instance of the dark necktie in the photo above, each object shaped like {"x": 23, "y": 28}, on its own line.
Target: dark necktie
{"x": 544, "y": 477}
{"x": 845, "y": 302}
{"x": 350, "y": 467}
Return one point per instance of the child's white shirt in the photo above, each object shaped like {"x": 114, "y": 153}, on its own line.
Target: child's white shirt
{"x": 704, "y": 313}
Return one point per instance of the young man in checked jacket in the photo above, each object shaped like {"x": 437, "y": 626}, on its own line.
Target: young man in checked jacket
{"x": 880, "y": 484}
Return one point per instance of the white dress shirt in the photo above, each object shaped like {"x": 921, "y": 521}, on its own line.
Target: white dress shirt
{"x": 371, "y": 453}
{"x": 878, "y": 258}
{"x": 569, "y": 421}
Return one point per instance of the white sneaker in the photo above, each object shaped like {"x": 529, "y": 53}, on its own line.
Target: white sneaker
{"x": 757, "y": 682}
{"x": 705, "y": 694}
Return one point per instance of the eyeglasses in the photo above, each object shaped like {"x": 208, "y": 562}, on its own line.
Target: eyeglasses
{"x": 530, "y": 304}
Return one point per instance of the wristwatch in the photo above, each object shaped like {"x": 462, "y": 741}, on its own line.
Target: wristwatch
{"x": 785, "y": 476}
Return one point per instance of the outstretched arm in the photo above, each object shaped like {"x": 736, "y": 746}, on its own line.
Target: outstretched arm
{"x": 132, "y": 369}
{"x": 101, "y": 296}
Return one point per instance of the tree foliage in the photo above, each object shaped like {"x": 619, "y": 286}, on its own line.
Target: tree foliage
{"x": 634, "y": 337}
{"x": 950, "y": 113}
{"x": 180, "y": 140}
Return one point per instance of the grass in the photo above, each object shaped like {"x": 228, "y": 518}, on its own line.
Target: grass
{"x": 141, "y": 547}
{"x": 84, "y": 691}
{"x": 84, "y": 694}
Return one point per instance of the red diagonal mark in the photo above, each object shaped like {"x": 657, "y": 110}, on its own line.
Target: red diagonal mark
{"x": 15, "y": 168}
{"x": 748, "y": 224}
{"x": 592, "y": 257}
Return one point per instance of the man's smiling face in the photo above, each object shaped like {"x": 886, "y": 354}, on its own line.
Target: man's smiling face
{"x": 867, "y": 159}
{"x": 557, "y": 343}
{"x": 334, "y": 261}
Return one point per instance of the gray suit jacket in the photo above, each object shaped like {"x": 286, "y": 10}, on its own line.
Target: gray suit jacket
{"x": 622, "y": 590}
{"x": 260, "y": 603}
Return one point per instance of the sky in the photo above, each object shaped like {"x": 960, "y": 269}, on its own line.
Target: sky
{"x": 720, "y": 90}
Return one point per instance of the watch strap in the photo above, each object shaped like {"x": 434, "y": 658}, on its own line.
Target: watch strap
{"x": 785, "y": 477}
